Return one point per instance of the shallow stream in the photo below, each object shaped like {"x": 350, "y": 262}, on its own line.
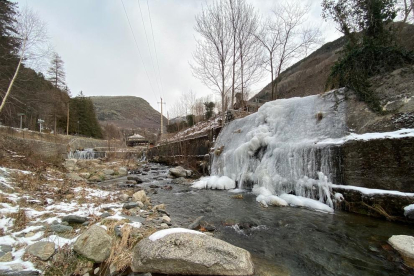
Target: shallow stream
{"x": 286, "y": 240}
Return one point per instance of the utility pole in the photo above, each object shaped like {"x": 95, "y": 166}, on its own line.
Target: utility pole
{"x": 67, "y": 122}
{"x": 161, "y": 116}
{"x": 21, "y": 119}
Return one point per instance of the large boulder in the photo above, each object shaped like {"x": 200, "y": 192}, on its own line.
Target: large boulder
{"x": 180, "y": 172}
{"x": 405, "y": 246}
{"x": 187, "y": 252}
{"x": 43, "y": 250}
{"x": 94, "y": 244}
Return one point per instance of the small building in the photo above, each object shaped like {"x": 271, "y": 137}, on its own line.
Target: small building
{"x": 136, "y": 140}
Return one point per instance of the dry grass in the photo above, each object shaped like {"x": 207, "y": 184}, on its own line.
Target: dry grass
{"x": 20, "y": 219}
{"x": 121, "y": 251}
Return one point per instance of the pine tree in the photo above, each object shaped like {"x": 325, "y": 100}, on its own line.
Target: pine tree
{"x": 56, "y": 73}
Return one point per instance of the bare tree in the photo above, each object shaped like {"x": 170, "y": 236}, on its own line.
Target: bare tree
{"x": 249, "y": 49}
{"x": 33, "y": 38}
{"x": 285, "y": 38}
{"x": 213, "y": 53}
{"x": 406, "y": 8}
{"x": 56, "y": 72}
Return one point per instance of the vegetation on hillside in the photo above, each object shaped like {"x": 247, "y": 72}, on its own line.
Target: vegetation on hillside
{"x": 371, "y": 45}
{"x": 32, "y": 96}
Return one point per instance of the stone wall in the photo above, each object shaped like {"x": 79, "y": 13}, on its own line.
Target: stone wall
{"x": 379, "y": 164}
{"x": 193, "y": 152}
{"x": 48, "y": 145}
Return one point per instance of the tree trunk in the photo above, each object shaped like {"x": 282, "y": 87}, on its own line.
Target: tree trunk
{"x": 14, "y": 78}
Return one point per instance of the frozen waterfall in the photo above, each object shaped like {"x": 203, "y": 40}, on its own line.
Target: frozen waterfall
{"x": 276, "y": 148}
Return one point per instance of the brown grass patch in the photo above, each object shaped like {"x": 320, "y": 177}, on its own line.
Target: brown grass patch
{"x": 20, "y": 219}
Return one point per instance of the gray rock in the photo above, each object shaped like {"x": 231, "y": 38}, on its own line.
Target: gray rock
{"x": 74, "y": 177}
{"x": 196, "y": 223}
{"x": 43, "y": 250}
{"x": 180, "y": 172}
{"x": 122, "y": 171}
{"x": 70, "y": 164}
{"x": 18, "y": 273}
{"x": 74, "y": 219}
{"x": 123, "y": 197}
{"x": 118, "y": 231}
{"x": 409, "y": 214}
{"x": 5, "y": 249}
{"x": 135, "y": 178}
{"x": 108, "y": 172}
{"x": 190, "y": 254}
{"x": 59, "y": 228}
{"x": 8, "y": 257}
{"x": 65, "y": 223}
{"x": 130, "y": 205}
{"x": 140, "y": 196}
{"x": 105, "y": 215}
{"x": 85, "y": 175}
{"x": 94, "y": 244}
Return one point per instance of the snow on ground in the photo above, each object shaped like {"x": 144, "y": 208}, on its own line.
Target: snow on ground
{"x": 39, "y": 215}
{"x": 401, "y": 133}
{"x": 195, "y": 130}
{"x": 162, "y": 233}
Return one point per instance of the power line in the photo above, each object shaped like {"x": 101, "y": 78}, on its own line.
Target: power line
{"x": 136, "y": 44}
{"x": 155, "y": 48}
{"x": 148, "y": 44}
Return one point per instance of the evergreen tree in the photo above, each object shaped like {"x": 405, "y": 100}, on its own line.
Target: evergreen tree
{"x": 83, "y": 119}
{"x": 56, "y": 73}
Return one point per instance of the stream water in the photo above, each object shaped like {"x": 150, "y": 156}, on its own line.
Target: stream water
{"x": 285, "y": 240}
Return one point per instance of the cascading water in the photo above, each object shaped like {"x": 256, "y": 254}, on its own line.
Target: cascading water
{"x": 277, "y": 150}
{"x": 85, "y": 154}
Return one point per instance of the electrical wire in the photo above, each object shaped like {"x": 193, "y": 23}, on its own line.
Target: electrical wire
{"x": 136, "y": 44}
{"x": 149, "y": 47}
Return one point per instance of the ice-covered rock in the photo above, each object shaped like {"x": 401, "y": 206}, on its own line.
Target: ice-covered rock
{"x": 94, "y": 244}
{"x": 183, "y": 252}
{"x": 215, "y": 182}
{"x": 405, "y": 246}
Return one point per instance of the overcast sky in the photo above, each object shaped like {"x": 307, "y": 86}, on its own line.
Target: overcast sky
{"x": 95, "y": 41}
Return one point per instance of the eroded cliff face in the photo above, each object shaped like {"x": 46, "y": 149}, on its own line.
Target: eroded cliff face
{"x": 396, "y": 93}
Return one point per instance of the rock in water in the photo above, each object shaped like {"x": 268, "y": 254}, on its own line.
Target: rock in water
{"x": 190, "y": 254}
{"x": 180, "y": 172}
{"x": 405, "y": 246}
{"x": 94, "y": 244}
{"x": 42, "y": 250}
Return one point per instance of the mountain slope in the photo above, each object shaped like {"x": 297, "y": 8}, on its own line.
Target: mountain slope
{"x": 127, "y": 112}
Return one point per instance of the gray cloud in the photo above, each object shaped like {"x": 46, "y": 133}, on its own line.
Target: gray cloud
{"x": 94, "y": 39}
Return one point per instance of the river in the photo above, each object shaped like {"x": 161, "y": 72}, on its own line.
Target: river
{"x": 286, "y": 240}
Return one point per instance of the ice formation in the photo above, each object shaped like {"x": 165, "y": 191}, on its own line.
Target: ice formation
{"x": 215, "y": 183}
{"x": 277, "y": 150}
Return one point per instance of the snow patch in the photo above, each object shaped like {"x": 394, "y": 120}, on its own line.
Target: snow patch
{"x": 162, "y": 233}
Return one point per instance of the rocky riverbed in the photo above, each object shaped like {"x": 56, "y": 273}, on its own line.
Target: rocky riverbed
{"x": 56, "y": 224}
